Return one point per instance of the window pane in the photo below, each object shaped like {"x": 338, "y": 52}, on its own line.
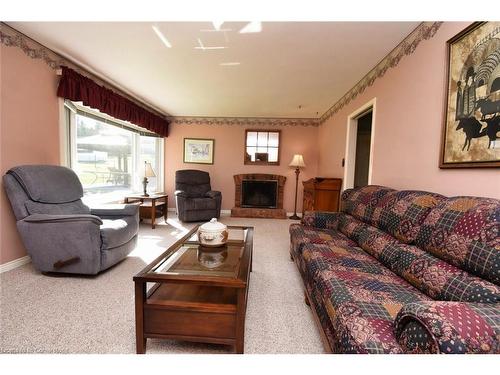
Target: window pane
{"x": 252, "y": 139}
{"x": 103, "y": 157}
{"x": 109, "y": 160}
{"x": 273, "y": 139}
{"x": 262, "y": 139}
{"x": 147, "y": 153}
{"x": 251, "y": 153}
{"x": 273, "y": 154}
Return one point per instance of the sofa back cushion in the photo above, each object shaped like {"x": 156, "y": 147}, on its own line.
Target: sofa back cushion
{"x": 361, "y": 202}
{"x": 401, "y": 213}
{"x": 433, "y": 276}
{"x": 465, "y": 232}
{"x": 438, "y": 279}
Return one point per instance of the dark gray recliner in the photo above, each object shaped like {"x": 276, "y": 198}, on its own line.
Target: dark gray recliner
{"x": 62, "y": 234}
{"x": 194, "y": 198}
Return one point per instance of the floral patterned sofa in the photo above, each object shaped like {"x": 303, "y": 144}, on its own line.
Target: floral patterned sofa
{"x": 403, "y": 272}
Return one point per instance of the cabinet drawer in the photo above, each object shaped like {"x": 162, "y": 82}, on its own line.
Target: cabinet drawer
{"x": 161, "y": 321}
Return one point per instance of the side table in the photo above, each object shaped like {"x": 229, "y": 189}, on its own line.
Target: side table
{"x": 150, "y": 205}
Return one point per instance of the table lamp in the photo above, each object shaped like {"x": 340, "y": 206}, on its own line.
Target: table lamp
{"x": 297, "y": 163}
{"x": 148, "y": 172}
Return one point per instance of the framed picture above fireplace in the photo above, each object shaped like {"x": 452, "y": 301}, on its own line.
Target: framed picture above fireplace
{"x": 198, "y": 151}
{"x": 262, "y": 147}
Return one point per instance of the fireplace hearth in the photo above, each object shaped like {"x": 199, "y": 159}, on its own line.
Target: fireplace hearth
{"x": 259, "y": 195}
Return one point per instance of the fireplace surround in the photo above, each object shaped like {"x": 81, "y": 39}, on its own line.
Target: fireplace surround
{"x": 265, "y": 199}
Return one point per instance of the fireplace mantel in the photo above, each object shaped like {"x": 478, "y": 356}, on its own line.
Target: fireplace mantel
{"x": 276, "y": 213}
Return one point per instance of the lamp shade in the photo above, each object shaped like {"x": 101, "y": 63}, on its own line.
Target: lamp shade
{"x": 297, "y": 161}
{"x": 148, "y": 170}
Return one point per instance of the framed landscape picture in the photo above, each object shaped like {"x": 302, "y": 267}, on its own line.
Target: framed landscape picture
{"x": 198, "y": 151}
{"x": 471, "y": 130}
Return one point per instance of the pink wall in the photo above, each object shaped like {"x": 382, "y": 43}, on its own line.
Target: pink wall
{"x": 228, "y": 158}
{"x": 29, "y": 129}
{"x": 409, "y": 116}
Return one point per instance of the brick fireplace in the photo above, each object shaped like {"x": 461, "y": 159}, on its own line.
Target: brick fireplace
{"x": 259, "y": 195}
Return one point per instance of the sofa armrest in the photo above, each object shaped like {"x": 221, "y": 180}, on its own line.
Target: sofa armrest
{"x": 45, "y": 218}
{"x": 321, "y": 220}
{"x": 116, "y": 210}
{"x": 448, "y": 327}
{"x": 213, "y": 194}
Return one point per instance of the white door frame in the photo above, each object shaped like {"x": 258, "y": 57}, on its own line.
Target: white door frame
{"x": 350, "y": 142}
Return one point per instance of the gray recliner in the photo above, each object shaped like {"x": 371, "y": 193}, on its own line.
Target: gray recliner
{"x": 194, "y": 198}
{"x": 61, "y": 233}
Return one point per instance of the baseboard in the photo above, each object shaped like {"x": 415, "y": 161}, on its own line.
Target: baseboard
{"x": 224, "y": 212}
{"x": 14, "y": 264}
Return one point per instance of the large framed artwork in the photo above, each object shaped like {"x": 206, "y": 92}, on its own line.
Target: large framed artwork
{"x": 198, "y": 151}
{"x": 471, "y": 130}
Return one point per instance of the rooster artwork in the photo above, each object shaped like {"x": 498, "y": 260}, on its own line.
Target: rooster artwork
{"x": 472, "y": 124}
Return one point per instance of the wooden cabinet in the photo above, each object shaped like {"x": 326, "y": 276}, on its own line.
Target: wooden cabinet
{"x": 321, "y": 194}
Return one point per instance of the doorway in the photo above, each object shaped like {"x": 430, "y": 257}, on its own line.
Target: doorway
{"x": 359, "y": 146}
{"x": 363, "y": 142}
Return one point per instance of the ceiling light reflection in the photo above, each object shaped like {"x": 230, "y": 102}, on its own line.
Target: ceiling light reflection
{"x": 252, "y": 27}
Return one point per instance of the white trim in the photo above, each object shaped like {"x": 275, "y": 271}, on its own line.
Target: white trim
{"x": 160, "y": 156}
{"x": 350, "y": 142}
{"x": 63, "y": 134}
{"x": 14, "y": 264}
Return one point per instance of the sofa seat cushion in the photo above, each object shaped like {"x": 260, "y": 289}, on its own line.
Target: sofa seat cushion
{"x": 465, "y": 231}
{"x": 301, "y": 235}
{"x": 360, "y": 296}
{"x": 200, "y": 204}
{"x": 117, "y": 232}
{"x": 371, "y": 239}
{"x": 401, "y": 213}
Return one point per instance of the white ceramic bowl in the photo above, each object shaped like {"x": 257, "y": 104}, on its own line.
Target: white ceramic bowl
{"x": 213, "y": 234}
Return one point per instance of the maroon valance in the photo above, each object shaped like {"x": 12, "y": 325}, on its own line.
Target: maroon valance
{"x": 78, "y": 88}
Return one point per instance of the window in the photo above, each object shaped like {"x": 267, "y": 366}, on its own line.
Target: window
{"x": 262, "y": 147}
{"x": 108, "y": 155}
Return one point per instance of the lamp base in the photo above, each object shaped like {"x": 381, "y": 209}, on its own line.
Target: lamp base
{"x": 145, "y": 184}
{"x": 294, "y": 217}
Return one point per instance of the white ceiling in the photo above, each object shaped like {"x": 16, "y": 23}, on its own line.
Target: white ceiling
{"x": 286, "y": 65}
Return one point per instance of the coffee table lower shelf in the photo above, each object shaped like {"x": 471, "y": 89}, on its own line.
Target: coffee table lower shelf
{"x": 190, "y": 312}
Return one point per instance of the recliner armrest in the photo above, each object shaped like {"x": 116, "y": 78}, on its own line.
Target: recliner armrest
{"x": 45, "y": 218}
{"x": 448, "y": 327}
{"x": 181, "y": 193}
{"x": 116, "y": 210}
{"x": 213, "y": 194}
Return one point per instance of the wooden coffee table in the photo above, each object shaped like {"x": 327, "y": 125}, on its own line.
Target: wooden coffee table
{"x": 193, "y": 293}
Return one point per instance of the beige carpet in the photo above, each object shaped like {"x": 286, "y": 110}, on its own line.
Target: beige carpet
{"x": 42, "y": 314}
